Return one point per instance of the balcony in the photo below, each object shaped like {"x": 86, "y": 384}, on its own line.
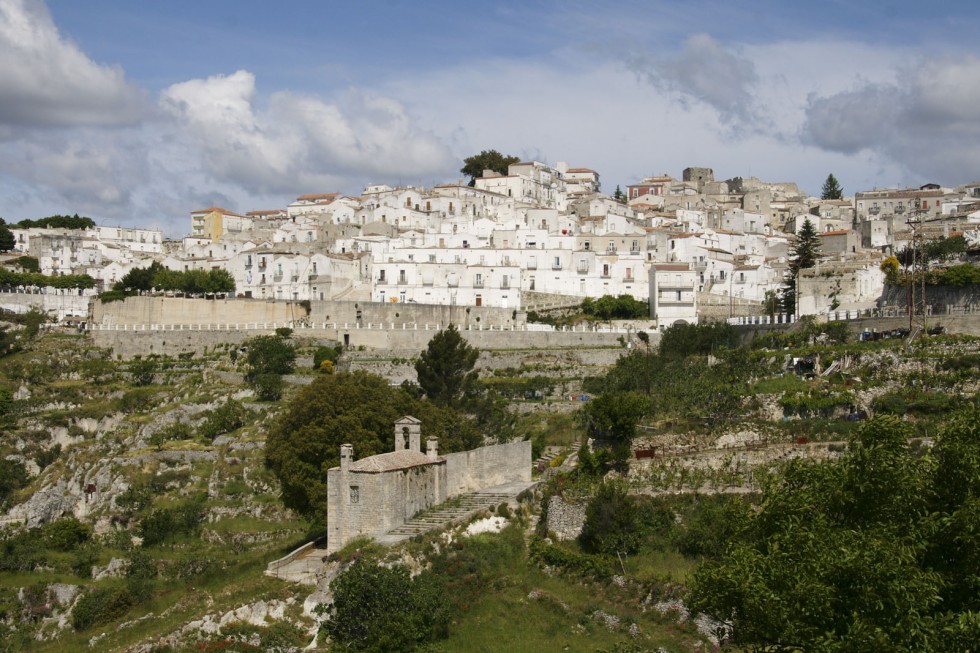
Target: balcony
{"x": 505, "y": 285}
{"x": 402, "y": 281}
{"x": 478, "y": 283}
{"x": 582, "y": 268}
{"x": 874, "y": 210}
{"x": 381, "y": 279}
{"x": 556, "y": 266}
{"x": 900, "y": 209}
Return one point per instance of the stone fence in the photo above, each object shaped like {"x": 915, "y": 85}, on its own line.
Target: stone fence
{"x": 863, "y": 314}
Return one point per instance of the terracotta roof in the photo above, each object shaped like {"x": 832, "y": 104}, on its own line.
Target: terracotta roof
{"x": 317, "y": 196}
{"x": 265, "y": 212}
{"x": 217, "y": 209}
{"x": 581, "y": 170}
{"x": 672, "y": 267}
{"x": 387, "y": 462}
{"x": 839, "y": 232}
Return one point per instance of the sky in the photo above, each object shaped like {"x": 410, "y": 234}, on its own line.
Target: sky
{"x": 137, "y": 113}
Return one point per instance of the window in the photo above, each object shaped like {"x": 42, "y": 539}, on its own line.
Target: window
{"x": 355, "y": 494}
{"x": 478, "y": 281}
{"x": 381, "y": 275}
{"x": 587, "y": 246}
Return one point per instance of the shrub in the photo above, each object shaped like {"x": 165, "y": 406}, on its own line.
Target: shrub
{"x": 101, "y": 606}
{"x": 268, "y": 387}
{"x": 225, "y": 418}
{"x": 162, "y": 524}
{"x": 331, "y": 354}
{"x": 381, "y": 609}
{"x": 65, "y": 534}
{"x": 613, "y": 522}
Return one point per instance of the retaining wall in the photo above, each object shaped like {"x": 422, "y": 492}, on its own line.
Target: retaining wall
{"x": 565, "y": 519}
{"x": 477, "y": 469}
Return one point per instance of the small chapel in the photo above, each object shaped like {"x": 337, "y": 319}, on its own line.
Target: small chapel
{"x": 374, "y": 495}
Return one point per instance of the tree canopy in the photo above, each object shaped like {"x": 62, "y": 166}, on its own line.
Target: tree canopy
{"x": 831, "y": 189}
{"x": 445, "y": 368}
{"x": 380, "y": 609}
{"x": 58, "y": 222}
{"x": 188, "y": 281}
{"x": 486, "y": 160}
{"x": 6, "y": 237}
{"x": 356, "y": 408}
{"x": 877, "y": 551}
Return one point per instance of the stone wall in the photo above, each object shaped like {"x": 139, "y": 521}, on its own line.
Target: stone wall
{"x": 565, "y": 519}
{"x": 476, "y": 469}
{"x": 141, "y": 341}
{"x": 181, "y": 310}
{"x": 60, "y": 303}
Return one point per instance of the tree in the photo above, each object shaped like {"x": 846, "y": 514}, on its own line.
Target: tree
{"x": 269, "y": 355}
{"x": 831, "y": 189}
{"x": 612, "y": 417}
{"x": 486, "y": 160}
{"x": 381, "y": 609}
{"x": 614, "y": 522}
{"x": 347, "y": 408}
{"x": 805, "y": 253}
{"x": 6, "y": 237}
{"x": 619, "y": 195}
{"x": 268, "y": 358}
{"x": 445, "y": 368}
{"x": 877, "y": 551}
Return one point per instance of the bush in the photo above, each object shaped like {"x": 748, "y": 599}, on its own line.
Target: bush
{"x": 162, "y": 524}
{"x": 225, "y": 418}
{"x": 101, "y": 606}
{"x": 381, "y": 609}
{"x": 613, "y": 522}
{"x": 13, "y": 476}
{"x": 65, "y": 534}
{"x": 268, "y": 387}
{"x": 331, "y": 354}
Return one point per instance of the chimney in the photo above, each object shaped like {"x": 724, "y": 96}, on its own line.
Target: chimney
{"x": 346, "y": 457}
{"x": 432, "y": 448}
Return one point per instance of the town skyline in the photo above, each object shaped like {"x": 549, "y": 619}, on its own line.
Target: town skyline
{"x": 137, "y": 115}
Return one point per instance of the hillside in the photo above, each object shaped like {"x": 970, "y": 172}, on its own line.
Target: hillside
{"x": 139, "y": 514}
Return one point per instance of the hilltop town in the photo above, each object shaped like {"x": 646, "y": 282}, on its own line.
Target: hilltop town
{"x": 539, "y": 235}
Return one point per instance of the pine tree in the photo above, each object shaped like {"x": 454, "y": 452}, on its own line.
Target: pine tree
{"x": 831, "y": 189}
{"x": 445, "y": 368}
{"x": 805, "y": 254}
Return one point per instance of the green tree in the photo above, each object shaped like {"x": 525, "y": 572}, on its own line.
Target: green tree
{"x": 612, "y": 418}
{"x": 619, "y": 195}
{"x": 356, "y": 408}
{"x": 614, "y": 522}
{"x": 269, "y": 355}
{"x": 445, "y": 368}
{"x": 6, "y": 237}
{"x": 683, "y": 340}
{"x": 380, "y": 609}
{"x": 805, "y": 253}
{"x": 486, "y": 160}
{"x": 831, "y": 189}
{"x": 874, "y": 552}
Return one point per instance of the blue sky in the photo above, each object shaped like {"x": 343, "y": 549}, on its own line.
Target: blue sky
{"x": 140, "y": 112}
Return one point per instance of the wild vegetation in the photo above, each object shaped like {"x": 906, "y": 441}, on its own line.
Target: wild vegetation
{"x": 143, "y": 495}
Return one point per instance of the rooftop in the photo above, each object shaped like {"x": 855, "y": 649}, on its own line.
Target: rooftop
{"x": 392, "y": 461}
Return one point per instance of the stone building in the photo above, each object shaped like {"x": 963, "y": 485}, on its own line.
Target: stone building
{"x": 374, "y": 495}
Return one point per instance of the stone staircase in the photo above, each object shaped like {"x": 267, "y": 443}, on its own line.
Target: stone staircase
{"x": 452, "y": 511}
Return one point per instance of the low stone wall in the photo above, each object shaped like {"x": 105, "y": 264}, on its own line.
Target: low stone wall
{"x": 565, "y": 519}
{"x": 134, "y": 341}
{"x": 181, "y": 310}
{"x": 60, "y": 303}
{"x": 478, "y": 469}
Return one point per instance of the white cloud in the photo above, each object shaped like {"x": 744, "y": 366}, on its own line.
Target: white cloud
{"x": 298, "y": 141}
{"x": 46, "y": 80}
